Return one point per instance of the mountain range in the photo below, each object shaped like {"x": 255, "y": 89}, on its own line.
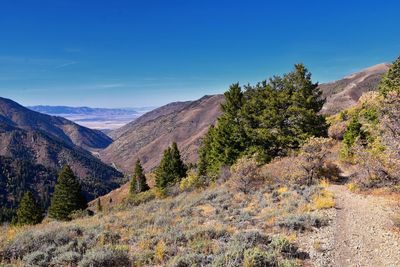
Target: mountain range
{"x": 35, "y": 146}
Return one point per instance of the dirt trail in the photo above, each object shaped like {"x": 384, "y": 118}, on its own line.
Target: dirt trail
{"x": 362, "y": 231}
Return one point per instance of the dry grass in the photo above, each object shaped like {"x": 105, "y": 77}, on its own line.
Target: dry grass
{"x": 198, "y": 226}
{"x": 323, "y": 200}
{"x": 352, "y": 187}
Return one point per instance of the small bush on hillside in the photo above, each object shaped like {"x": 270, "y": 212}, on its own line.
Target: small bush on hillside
{"x": 256, "y": 257}
{"x": 337, "y": 130}
{"x": 79, "y": 214}
{"x": 69, "y": 258}
{"x": 301, "y": 222}
{"x": 37, "y": 258}
{"x": 192, "y": 181}
{"x": 105, "y": 257}
{"x": 143, "y": 197}
{"x": 246, "y": 175}
{"x": 188, "y": 260}
{"x": 323, "y": 200}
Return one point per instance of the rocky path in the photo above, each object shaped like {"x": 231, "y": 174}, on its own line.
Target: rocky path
{"x": 360, "y": 233}
{"x": 363, "y": 233}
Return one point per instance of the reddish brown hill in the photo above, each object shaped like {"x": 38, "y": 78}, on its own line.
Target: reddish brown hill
{"x": 147, "y": 138}
{"x": 57, "y": 127}
{"x": 345, "y": 93}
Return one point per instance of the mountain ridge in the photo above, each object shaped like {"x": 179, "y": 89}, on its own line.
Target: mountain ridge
{"x": 32, "y": 154}
{"x": 182, "y": 122}
{"x": 343, "y": 93}
{"x": 55, "y": 126}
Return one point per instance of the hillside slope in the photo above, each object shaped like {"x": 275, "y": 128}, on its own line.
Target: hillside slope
{"x": 57, "y": 127}
{"x": 345, "y": 93}
{"x": 32, "y": 159}
{"x": 186, "y": 122}
{"x": 151, "y": 115}
{"x": 32, "y": 151}
{"x": 147, "y": 137}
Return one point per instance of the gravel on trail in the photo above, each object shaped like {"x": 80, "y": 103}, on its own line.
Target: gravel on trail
{"x": 360, "y": 233}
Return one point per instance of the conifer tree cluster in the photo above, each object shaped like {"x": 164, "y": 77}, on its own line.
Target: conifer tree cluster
{"x": 67, "y": 196}
{"x": 29, "y": 211}
{"x": 171, "y": 168}
{"x": 138, "y": 183}
{"x": 266, "y": 120}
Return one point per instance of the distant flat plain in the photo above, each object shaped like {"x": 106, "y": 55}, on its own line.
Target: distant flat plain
{"x": 105, "y": 119}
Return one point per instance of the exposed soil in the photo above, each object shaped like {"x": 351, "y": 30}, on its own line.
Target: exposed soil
{"x": 361, "y": 233}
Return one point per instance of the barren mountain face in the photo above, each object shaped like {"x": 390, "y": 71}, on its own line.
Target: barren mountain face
{"x": 57, "y": 127}
{"x": 344, "y": 93}
{"x": 145, "y": 139}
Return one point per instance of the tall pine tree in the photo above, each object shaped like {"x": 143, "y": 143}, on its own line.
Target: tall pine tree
{"x": 224, "y": 143}
{"x": 138, "y": 183}
{"x": 67, "y": 196}
{"x": 171, "y": 168}
{"x": 29, "y": 211}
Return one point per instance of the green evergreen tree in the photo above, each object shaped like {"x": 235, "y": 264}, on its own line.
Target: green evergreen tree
{"x": 29, "y": 211}
{"x": 67, "y": 196}
{"x": 391, "y": 80}
{"x": 178, "y": 165}
{"x": 224, "y": 143}
{"x": 171, "y": 168}
{"x": 267, "y": 120}
{"x": 138, "y": 183}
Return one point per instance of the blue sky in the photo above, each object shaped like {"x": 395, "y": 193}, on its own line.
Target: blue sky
{"x": 148, "y": 53}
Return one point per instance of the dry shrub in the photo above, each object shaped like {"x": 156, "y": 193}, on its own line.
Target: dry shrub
{"x": 281, "y": 169}
{"x": 373, "y": 167}
{"x": 246, "y": 176}
{"x": 308, "y": 167}
{"x": 337, "y": 130}
{"x": 330, "y": 171}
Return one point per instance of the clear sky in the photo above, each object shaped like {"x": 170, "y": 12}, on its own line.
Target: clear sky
{"x": 147, "y": 53}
